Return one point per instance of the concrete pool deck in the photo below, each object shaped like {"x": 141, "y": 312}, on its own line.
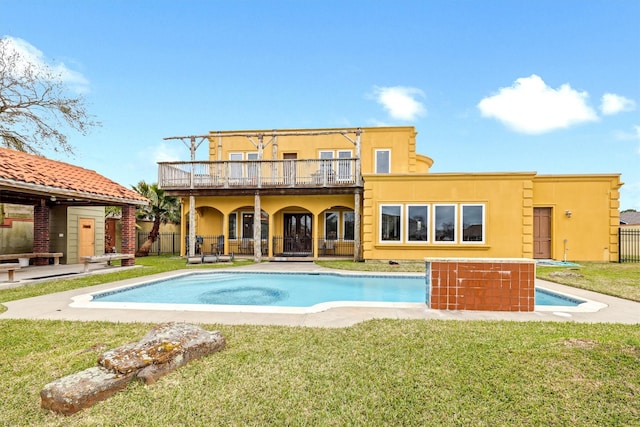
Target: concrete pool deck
{"x": 57, "y": 306}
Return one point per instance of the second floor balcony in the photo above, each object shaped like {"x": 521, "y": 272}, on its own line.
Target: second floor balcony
{"x": 259, "y": 174}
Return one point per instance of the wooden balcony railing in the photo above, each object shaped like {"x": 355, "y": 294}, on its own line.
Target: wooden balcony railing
{"x": 259, "y": 174}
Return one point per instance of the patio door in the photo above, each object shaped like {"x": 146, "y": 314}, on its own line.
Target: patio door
{"x": 86, "y": 237}
{"x": 542, "y": 233}
{"x": 298, "y": 234}
{"x": 290, "y": 168}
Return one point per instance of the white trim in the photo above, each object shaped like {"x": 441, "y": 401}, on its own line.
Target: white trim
{"x": 380, "y": 150}
{"x": 455, "y": 224}
{"x": 472, "y": 242}
{"x": 326, "y": 237}
{"x": 400, "y": 232}
{"x": 229, "y": 222}
{"x": 426, "y": 225}
{"x": 344, "y": 226}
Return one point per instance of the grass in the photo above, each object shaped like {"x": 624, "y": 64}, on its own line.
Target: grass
{"x": 381, "y": 372}
{"x": 619, "y": 280}
{"x": 404, "y": 266}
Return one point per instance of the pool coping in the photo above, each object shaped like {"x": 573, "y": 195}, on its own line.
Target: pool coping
{"x": 57, "y": 307}
{"x": 87, "y": 300}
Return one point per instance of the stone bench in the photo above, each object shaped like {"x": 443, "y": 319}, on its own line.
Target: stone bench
{"x": 55, "y": 255}
{"x": 10, "y": 268}
{"x": 102, "y": 258}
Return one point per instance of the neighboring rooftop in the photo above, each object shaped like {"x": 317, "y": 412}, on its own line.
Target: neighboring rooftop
{"x": 26, "y": 178}
{"x": 630, "y": 218}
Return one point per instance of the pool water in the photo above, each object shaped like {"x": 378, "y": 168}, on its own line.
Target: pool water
{"x": 287, "y": 290}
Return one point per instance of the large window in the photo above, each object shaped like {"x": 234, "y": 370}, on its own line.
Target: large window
{"x": 390, "y": 223}
{"x": 331, "y": 225}
{"x": 473, "y": 223}
{"x": 445, "y": 223}
{"x": 348, "y": 220}
{"x": 383, "y": 161}
{"x": 417, "y": 223}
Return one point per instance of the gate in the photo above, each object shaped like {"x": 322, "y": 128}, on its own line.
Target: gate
{"x": 629, "y": 244}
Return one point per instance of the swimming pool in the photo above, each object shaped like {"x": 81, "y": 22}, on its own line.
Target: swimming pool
{"x": 289, "y": 292}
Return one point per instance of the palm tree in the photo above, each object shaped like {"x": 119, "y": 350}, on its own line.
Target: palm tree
{"x": 162, "y": 209}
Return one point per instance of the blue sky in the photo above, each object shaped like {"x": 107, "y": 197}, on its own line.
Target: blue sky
{"x": 491, "y": 86}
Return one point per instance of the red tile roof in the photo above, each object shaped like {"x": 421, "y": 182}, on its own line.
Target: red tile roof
{"x": 29, "y": 171}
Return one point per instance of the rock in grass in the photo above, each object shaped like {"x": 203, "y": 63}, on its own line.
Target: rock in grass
{"x": 72, "y": 393}
{"x": 165, "y": 348}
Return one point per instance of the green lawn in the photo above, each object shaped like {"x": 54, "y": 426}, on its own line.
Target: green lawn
{"x": 619, "y": 280}
{"x": 382, "y": 372}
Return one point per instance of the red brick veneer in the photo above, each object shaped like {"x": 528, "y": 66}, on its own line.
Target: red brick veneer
{"x": 41, "y": 232}
{"x": 481, "y": 284}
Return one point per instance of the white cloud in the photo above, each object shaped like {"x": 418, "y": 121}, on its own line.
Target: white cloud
{"x": 167, "y": 152}
{"x": 614, "y": 104}
{"x": 29, "y": 57}
{"x": 530, "y": 106}
{"x": 400, "y": 101}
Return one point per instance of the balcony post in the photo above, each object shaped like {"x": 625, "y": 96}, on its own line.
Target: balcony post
{"x": 358, "y": 157}
{"x": 357, "y": 243}
{"x": 257, "y": 229}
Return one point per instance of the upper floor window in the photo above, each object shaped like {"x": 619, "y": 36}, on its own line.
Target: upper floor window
{"x": 383, "y": 161}
{"x": 445, "y": 223}
{"x": 344, "y": 166}
{"x": 473, "y": 223}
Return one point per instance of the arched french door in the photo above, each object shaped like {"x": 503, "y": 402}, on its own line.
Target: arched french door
{"x": 298, "y": 234}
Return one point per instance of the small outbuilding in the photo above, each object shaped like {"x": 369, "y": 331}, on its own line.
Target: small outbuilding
{"x": 68, "y": 205}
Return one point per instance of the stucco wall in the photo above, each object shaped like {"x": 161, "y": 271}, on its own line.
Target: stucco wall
{"x": 400, "y": 140}
{"x": 591, "y": 230}
{"x": 506, "y": 199}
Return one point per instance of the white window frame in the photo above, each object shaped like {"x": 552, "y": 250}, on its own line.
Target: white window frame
{"x": 400, "y": 231}
{"x": 388, "y": 150}
{"x": 426, "y": 225}
{"x": 326, "y": 234}
{"x": 344, "y": 167}
{"x": 484, "y": 226}
{"x": 235, "y": 170}
{"x": 435, "y": 224}
{"x": 252, "y": 169}
{"x": 344, "y": 225}
{"x": 233, "y": 214}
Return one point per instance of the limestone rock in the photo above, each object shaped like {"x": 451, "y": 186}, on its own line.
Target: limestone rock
{"x": 74, "y": 392}
{"x": 165, "y": 348}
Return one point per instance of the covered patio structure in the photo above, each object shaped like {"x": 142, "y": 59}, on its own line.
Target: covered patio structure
{"x": 45, "y": 184}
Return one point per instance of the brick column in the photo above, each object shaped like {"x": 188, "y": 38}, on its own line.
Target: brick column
{"x": 41, "y": 232}
{"x": 128, "y": 222}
